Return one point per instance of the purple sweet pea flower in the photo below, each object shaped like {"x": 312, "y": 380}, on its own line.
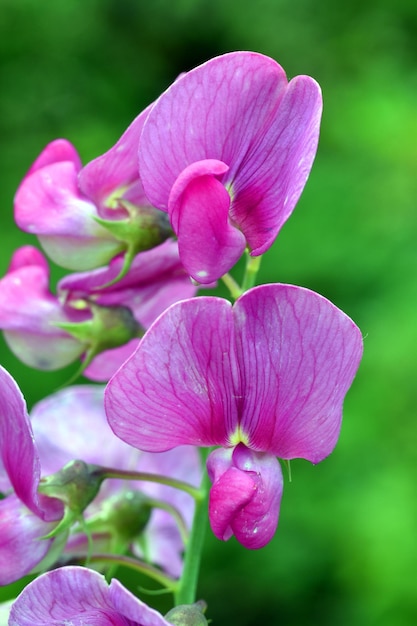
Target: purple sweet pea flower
{"x": 37, "y": 324}
{"x": 29, "y": 314}
{"x": 263, "y": 378}
{"x": 226, "y": 152}
{"x": 78, "y": 596}
{"x": 72, "y": 424}
{"x": 25, "y": 516}
{"x": 84, "y": 217}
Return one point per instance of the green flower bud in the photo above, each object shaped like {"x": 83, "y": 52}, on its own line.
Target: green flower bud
{"x": 188, "y": 615}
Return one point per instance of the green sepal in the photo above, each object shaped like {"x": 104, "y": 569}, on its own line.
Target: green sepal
{"x": 188, "y": 614}
{"x": 145, "y": 228}
{"x": 109, "y": 327}
{"x": 76, "y": 485}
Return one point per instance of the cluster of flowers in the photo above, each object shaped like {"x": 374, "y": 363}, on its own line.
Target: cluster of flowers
{"x": 210, "y": 171}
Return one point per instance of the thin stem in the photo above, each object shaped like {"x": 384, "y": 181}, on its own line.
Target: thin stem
{"x": 174, "y": 512}
{"x": 186, "y": 591}
{"x": 107, "y": 472}
{"x": 233, "y": 287}
{"x": 253, "y": 264}
{"x": 138, "y": 566}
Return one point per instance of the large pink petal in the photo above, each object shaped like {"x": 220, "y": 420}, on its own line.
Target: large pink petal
{"x": 18, "y": 452}
{"x": 273, "y": 173}
{"x": 177, "y": 387}
{"x": 298, "y": 355}
{"x": 199, "y": 205}
{"x": 212, "y": 112}
{"x": 80, "y": 596}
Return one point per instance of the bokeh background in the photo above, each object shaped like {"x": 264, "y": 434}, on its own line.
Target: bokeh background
{"x": 345, "y": 550}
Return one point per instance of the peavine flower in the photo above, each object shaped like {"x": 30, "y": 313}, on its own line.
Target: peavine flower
{"x": 263, "y": 378}
{"x": 79, "y": 596}
{"x": 226, "y": 152}
{"x": 84, "y": 217}
{"x": 71, "y": 425}
{"x": 100, "y": 324}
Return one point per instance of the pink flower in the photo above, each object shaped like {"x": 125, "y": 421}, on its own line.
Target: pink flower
{"x": 263, "y": 378}
{"x": 84, "y": 217}
{"x": 48, "y": 332}
{"x": 77, "y": 595}
{"x": 30, "y": 314}
{"x": 226, "y": 152}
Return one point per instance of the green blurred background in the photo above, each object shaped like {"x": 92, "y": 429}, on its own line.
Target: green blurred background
{"x": 345, "y": 550}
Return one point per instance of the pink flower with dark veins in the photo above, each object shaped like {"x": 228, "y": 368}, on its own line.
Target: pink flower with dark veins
{"x": 263, "y": 378}
{"x": 226, "y": 152}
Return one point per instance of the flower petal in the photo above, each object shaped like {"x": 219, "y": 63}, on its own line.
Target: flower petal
{"x": 29, "y": 314}
{"x": 49, "y": 204}
{"x": 18, "y": 452}
{"x": 55, "y": 152}
{"x": 273, "y": 173}
{"x": 199, "y": 204}
{"x": 298, "y": 355}
{"x": 212, "y": 112}
{"x": 245, "y": 496}
{"x": 116, "y": 168}
{"x": 176, "y": 387}
{"x": 81, "y": 596}
{"x": 21, "y": 543}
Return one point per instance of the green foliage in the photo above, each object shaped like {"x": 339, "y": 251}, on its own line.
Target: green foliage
{"x": 343, "y": 553}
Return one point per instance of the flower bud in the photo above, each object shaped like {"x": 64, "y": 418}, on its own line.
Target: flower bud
{"x": 188, "y": 614}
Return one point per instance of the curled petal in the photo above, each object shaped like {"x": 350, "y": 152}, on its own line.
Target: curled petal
{"x": 245, "y": 496}
{"x": 18, "y": 452}
{"x": 199, "y": 211}
{"x": 81, "y": 596}
{"x": 55, "y": 152}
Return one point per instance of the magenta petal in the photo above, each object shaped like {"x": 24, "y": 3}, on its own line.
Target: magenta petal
{"x": 272, "y": 175}
{"x": 198, "y": 208}
{"x": 116, "y": 168}
{"x": 175, "y": 389}
{"x": 80, "y": 596}
{"x": 298, "y": 355}
{"x": 17, "y": 449}
{"x": 245, "y": 496}
{"x": 21, "y": 543}
{"x": 55, "y": 152}
{"x": 212, "y": 112}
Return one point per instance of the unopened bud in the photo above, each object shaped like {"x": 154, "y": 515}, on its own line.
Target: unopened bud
{"x": 188, "y": 614}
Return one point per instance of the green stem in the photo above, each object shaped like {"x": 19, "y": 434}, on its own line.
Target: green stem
{"x": 186, "y": 591}
{"x": 165, "y": 506}
{"x": 253, "y": 264}
{"x": 138, "y": 566}
{"x": 107, "y": 472}
{"x": 233, "y": 287}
